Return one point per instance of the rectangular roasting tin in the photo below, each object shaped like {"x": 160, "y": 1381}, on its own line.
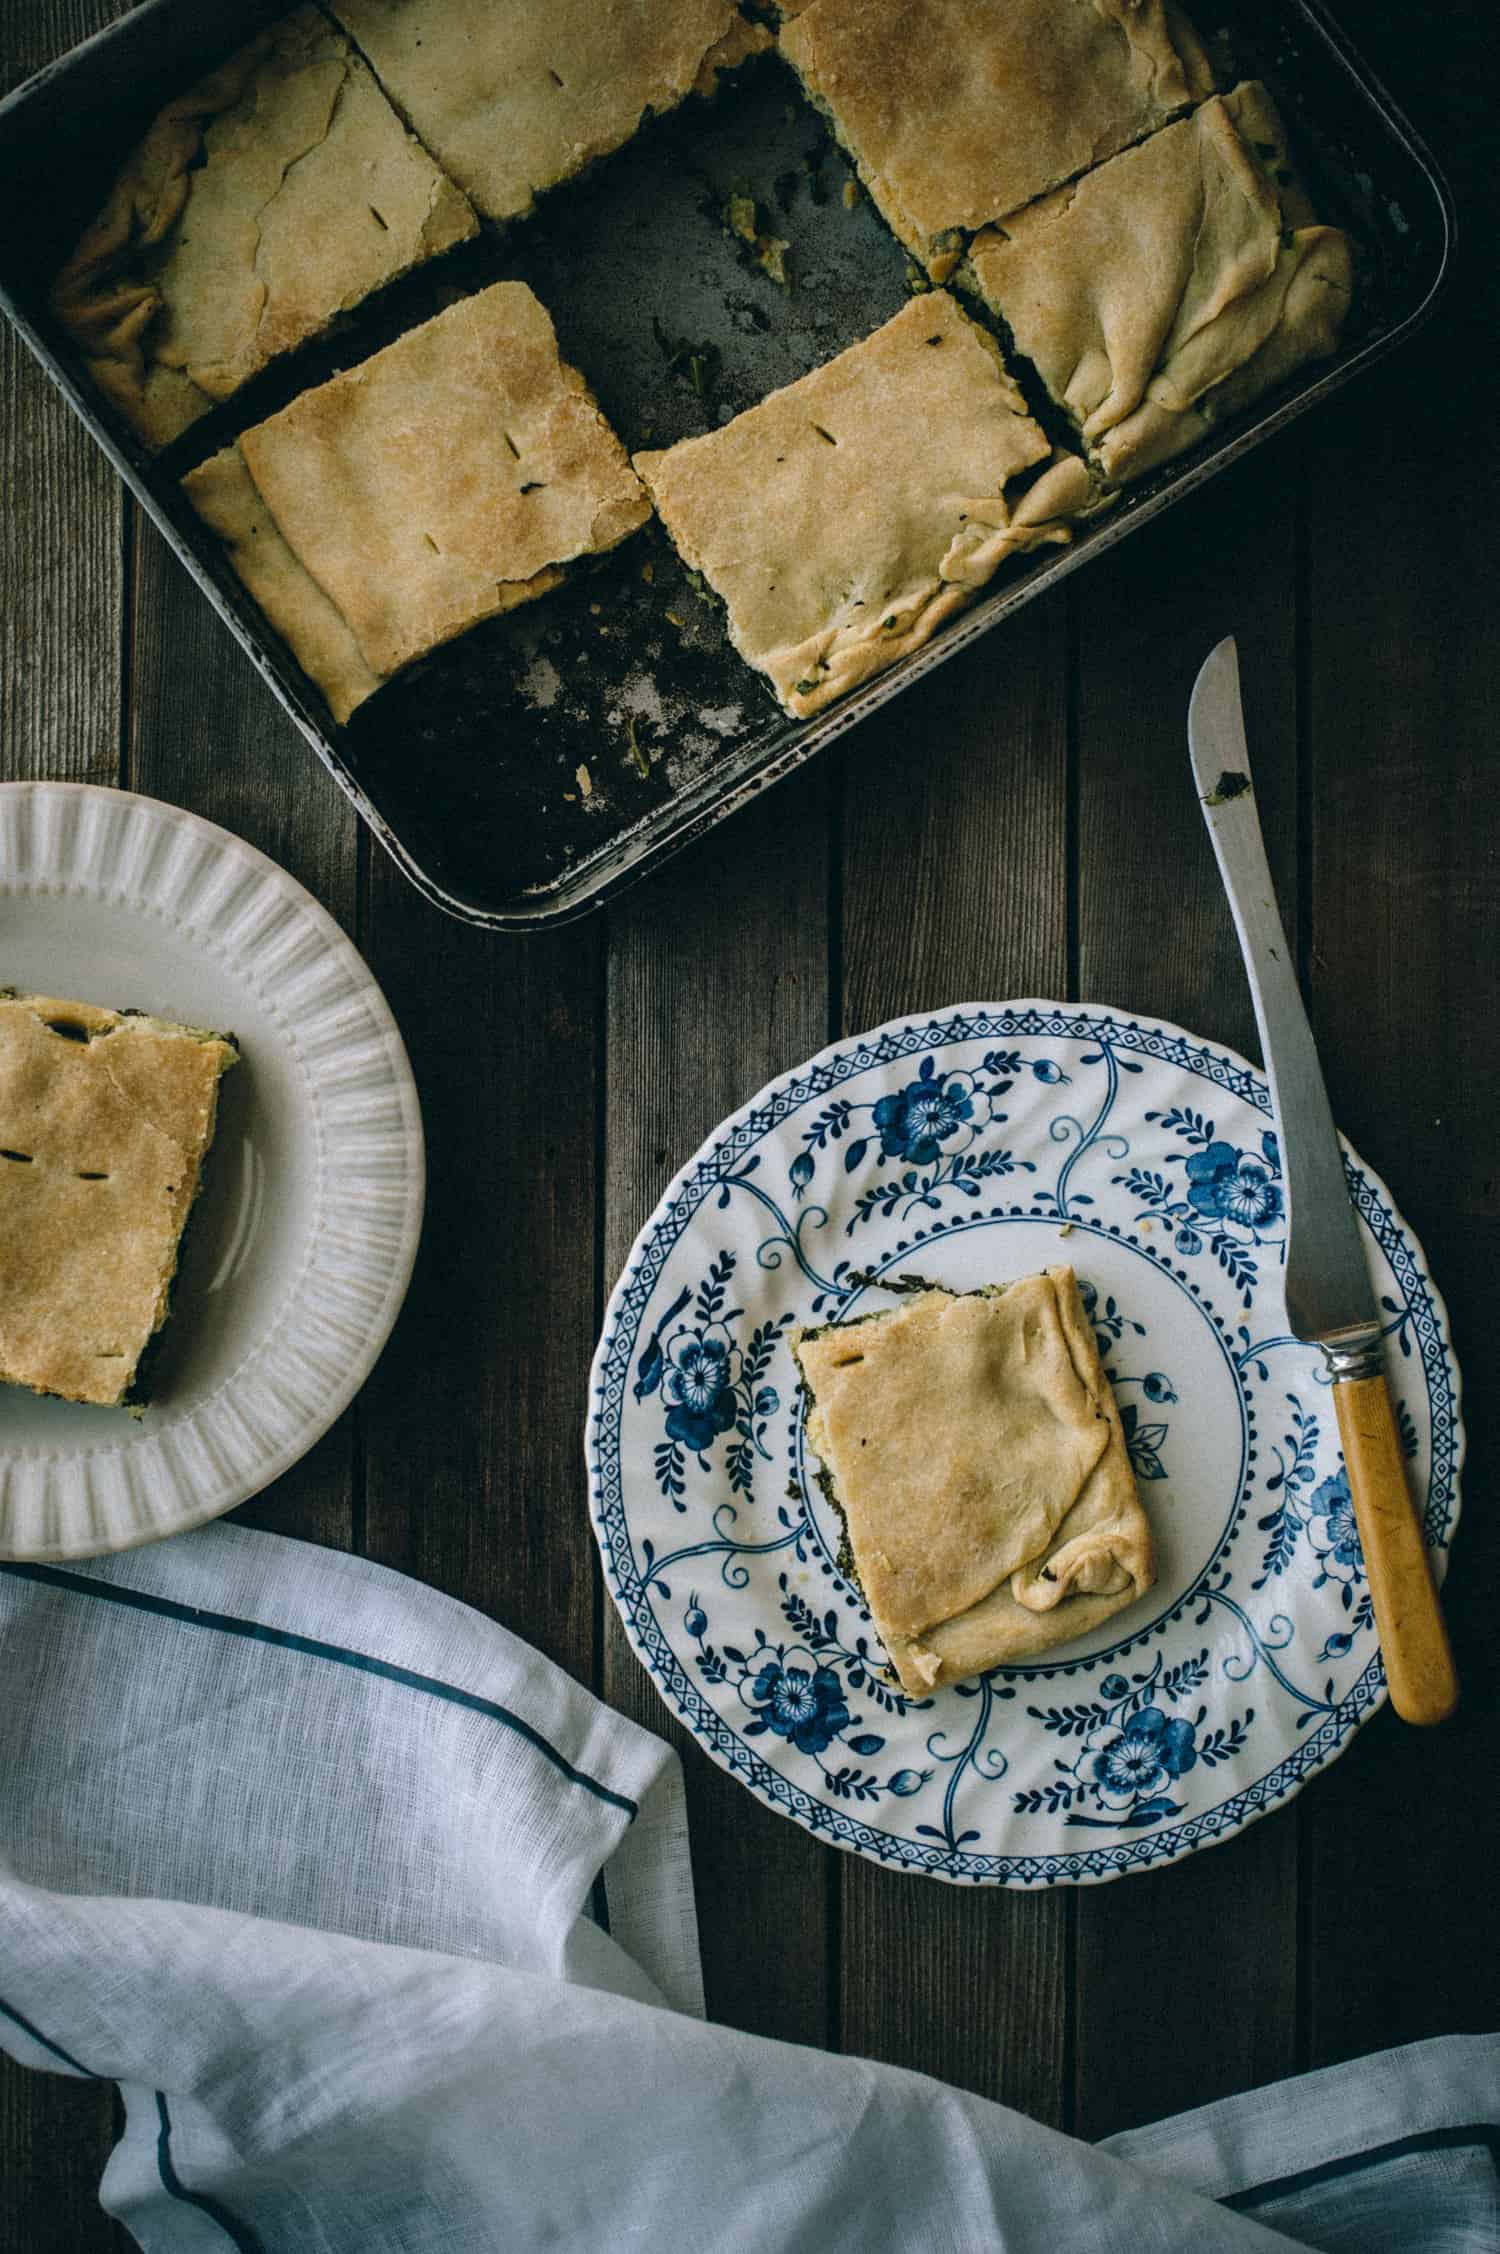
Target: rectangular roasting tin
{"x": 536, "y": 766}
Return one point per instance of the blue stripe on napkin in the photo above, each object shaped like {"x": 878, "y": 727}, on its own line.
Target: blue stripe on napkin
{"x": 1482, "y": 2135}
{"x": 20, "y": 2020}
{"x": 238, "y": 2233}
{"x": 255, "y": 1631}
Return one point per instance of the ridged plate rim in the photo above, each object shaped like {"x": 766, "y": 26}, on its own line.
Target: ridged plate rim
{"x": 162, "y": 865}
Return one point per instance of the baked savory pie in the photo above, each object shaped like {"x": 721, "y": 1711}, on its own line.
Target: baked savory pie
{"x": 975, "y": 1451}
{"x": 275, "y": 194}
{"x": 844, "y": 518}
{"x": 516, "y": 95}
{"x": 1173, "y": 285}
{"x": 105, "y": 1121}
{"x": 958, "y": 111}
{"x": 440, "y": 482}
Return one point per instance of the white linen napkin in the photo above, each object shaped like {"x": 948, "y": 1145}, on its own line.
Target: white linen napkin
{"x": 385, "y": 1928}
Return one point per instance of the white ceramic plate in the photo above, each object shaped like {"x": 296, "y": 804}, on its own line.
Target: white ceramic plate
{"x": 301, "y": 1245}
{"x": 967, "y": 1148}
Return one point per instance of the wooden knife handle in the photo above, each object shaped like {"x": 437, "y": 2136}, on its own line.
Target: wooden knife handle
{"x": 1408, "y": 1617}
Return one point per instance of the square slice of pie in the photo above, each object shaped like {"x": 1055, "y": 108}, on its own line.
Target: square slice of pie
{"x": 1173, "y": 285}
{"x": 106, "y": 1118}
{"x": 975, "y": 1451}
{"x": 442, "y": 481}
{"x": 277, "y": 193}
{"x": 843, "y": 519}
{"x": 958, "y": 111}
{"x": 514, "y": 96}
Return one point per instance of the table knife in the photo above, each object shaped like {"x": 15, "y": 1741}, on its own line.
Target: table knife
{"x": 1329, "y": 1298}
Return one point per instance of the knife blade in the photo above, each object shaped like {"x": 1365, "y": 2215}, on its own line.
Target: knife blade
{"x": 1330, "y": 1301}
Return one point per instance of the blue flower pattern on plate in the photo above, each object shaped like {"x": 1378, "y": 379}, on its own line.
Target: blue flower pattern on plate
{"x": 708, "y": 1387}
{"x": 1319, "y": 1511}
{"x": 805, "y": 1704}
{"x": 1225, "y": 1184}
{"x": 1135, "y": 1761}
{"x": 929, "y": 1127}
{"x": 1231, "y": 1201}
{"x": 1133, "y": 1751}
{"x": 916, "y": 1122}
{"x": 699, "y": 1385}
{"x": 799, "y": 1692}
{"x": 1336, "y": 1547}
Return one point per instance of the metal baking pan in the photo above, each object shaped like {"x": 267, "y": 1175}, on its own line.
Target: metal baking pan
{"x": 466, "y": 767}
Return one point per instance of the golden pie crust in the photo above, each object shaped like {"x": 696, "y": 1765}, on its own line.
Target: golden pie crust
{"x": 514, "y": 96}
{"x": 1172, "y": 286}
{"x": 274, "y": 195}
{"x": 843, "y": 519}
{"x": 958, "y": 111}
{"x": 104, "y": 1128}
{"x": 979, "y": 1461}
{"x": 438, "y": 483}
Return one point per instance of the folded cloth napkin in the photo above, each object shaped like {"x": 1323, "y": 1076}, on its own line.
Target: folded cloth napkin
{"x": 386, "y": 1930}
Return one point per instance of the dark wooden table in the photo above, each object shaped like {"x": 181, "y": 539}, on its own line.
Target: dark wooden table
{"x": 1024, "y": 829}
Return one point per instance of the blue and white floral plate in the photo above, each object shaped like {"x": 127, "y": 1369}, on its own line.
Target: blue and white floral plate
{"x": 967, "y": 1148}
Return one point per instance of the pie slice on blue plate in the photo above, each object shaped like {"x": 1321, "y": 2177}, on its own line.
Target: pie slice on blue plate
{"x": 972, "y": 1443}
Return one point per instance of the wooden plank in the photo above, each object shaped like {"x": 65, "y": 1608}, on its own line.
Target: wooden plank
{"x": 61, "y": 558}
{"x": 62, "y": 577}
{"x": 35, "y": 32}
{"x": 1154, "y": 936}
{"x": 1187, "y": 1981}
{"x": 717, "y": 980}
{"x": 204, "y": 731}
{"x": 55, "y": 2136}
{"x": 473, "y": 1420}
{"x": 955, "y": 872}
{"x": 1154, "y": 932}
{"x": 60, "y": 621}
{"x": 955, "y": 889}
{"x": 1405, "y": 699}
